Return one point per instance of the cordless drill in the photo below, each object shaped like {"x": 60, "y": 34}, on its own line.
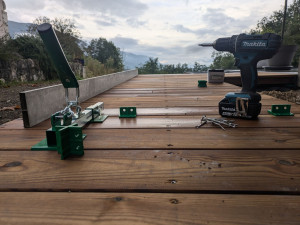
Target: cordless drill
{"x": 247, "y": 50}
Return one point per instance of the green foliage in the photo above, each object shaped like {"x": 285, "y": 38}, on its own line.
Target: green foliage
{"x": 152, "y": 66}
{"x": 66, "y": 32}
{"x": 96, "y": 68}
{"x": 104, "y": 56}
{"x": 106, "y": 53}
{"x": 222, "y": 60}
{"x": 7, "y": 50}
{"x": 273, "y": 24}
{"x": 32, "y": 47}
{"x": 24, "y": 47}
{"x": 198, "y": 68}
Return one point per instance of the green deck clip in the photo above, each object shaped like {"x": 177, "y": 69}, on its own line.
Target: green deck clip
{"x": 202, "y": 83}
{"x": 67, "y": 140}
{"x": 127, "y": 112}
{"x": 66, "y": 137}
{"x": 70, "y": 141}
{"x": 281, "y": 110}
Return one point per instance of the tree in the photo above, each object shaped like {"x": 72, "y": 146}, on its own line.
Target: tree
{"x": 199, "y": 68}
{"x": 222, "y": 60}
{"x": 273, "y": 24}
{"x": 106, "y": 52}
{"x": 152, "y": 66}
{"x": 66, "y": 32}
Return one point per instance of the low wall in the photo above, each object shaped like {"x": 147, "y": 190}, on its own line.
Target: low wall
{"x": 39, "y": 104}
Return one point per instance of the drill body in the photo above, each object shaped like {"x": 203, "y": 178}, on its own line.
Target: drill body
{"x": 248, "y": 50}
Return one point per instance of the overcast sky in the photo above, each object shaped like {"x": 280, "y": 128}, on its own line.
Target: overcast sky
{"x": 169, "y": 30}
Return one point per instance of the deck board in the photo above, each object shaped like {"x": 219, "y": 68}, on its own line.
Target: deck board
{"x": 207, "y": 138}
{"x": 157, "y": 168}
{"x": 147, "y": 209}
{"x": 153, "y": 170}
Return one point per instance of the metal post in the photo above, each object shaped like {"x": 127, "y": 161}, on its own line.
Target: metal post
{"x": 284, "y": 19}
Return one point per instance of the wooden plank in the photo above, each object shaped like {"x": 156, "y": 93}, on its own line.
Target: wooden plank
{"x": 269, "y": 78}
{"x": 208, "y": 138}
{"x": 170, "y": 112}
{"x": 175, "y": 101}
{"x": 153, "y": 171}
{"x": 145, "y": 208}
{"x": 264, "y": 121}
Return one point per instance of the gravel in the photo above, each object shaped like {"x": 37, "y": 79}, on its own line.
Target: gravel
{"x": 10, "y": 106}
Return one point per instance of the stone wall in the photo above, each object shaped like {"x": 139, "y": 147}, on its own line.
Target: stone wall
{"x": 28, "y": 70}
{"x": 21, "y": 70}
{"x": 3, "y": 20}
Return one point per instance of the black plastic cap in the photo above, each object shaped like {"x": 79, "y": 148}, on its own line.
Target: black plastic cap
{"x": 44, "y": 27}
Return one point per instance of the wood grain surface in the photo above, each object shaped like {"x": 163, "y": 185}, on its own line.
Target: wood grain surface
{"x": 204, "y": 138}
{"x": 158, "y": 168}
{"x": 147, "y": 209}
{"x": 153, "y": 170}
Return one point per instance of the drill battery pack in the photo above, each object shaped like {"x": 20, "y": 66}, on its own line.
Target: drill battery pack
{"x": 240, "y": 105}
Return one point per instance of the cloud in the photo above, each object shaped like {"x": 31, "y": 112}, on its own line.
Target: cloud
{"x": 216, "y": 18}
{"x": 133, "y": 22}
{"x": 125, "y": 43}
{"x": 29, "y": 4}
{"x": 119, "y": 8}
{"x": 202, "y": 32}
{"x": 183, "y": 29}
{"x": 106, "y": 21}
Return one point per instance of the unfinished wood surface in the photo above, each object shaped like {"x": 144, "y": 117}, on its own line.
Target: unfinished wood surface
{"x": 157, "y": 168}
{"x": 266, "y": 78}
{"x": 153, "y": 170}
{"x": 158, "y": 102}
{"x": 264, "y": 121}
{"x": 152, "y": 209}
{"x": 207, "y": 138}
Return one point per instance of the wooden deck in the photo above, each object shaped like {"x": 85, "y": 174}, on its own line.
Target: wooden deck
{"x": 158, "y": 168}
{"x": 267, "y": 78}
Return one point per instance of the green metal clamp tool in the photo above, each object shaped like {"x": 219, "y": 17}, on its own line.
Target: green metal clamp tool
{"x": 65, "y": 135}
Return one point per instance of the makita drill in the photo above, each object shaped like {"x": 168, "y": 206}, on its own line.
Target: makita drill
{"x": 247, "y": 50}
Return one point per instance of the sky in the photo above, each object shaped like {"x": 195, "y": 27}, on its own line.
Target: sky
{"x": 168, "y": 29}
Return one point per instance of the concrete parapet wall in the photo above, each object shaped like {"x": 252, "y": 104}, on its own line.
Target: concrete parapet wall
{"x": 39, "y": 104}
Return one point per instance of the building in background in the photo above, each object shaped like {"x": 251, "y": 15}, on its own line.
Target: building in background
{"x": 3, "y": 20}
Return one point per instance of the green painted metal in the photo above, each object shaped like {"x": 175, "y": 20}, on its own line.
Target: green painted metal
{"x": 281, "y": 110}
{"x": 70, "y": 141}
{"x": 127, "y": 112}
{"x": 43, "y": 146}
{"x": 66, "y": 137}
{"x": 202, "y": 83}
{"x": 57, "y": 56}
{"x": 99, "y": 119}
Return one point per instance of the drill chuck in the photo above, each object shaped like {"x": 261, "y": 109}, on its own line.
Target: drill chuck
{"x": 207, "y": 44}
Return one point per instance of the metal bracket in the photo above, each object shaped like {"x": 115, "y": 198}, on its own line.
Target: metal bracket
{"x": 202, "y": 83}
{"x": 67, "y": 138}
{"x": 281, "y": 110}
{"x": 127, "y": 112}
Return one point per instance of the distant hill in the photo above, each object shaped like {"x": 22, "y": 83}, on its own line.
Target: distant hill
{"x": 17, "y": 28}
{"x": 131, "y": 61}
